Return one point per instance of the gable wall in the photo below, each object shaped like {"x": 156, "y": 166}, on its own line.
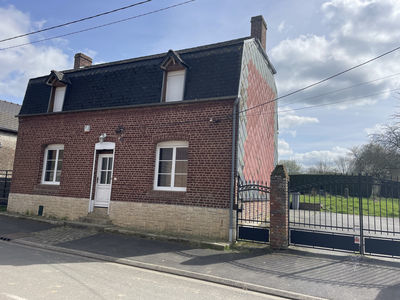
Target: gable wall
{"x": 257, "y": 134}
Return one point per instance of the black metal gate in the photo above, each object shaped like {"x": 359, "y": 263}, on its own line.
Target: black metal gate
{"x": 252, "y": 211}
{"x": 347, "y": 213}
{"x": 5, "y": 182}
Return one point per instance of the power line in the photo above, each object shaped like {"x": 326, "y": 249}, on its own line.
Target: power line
{"x": 326, "y": 104}
{"x": 322, "y": 80}
{"x": 99, "y": 26}
{"x": 75, "y": 21}
{"x": 343, "y": 89}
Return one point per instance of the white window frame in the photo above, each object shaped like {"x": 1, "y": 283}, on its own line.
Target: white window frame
{"x": 57, "y": 147}
{"x": 174, "y": 145}
{"x": 182, "y": 75}
{"x": 61, "y": 96}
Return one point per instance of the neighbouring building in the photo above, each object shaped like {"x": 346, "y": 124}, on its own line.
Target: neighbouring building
{"x": 151, "y": 142}
{"x": 8, "y": 133}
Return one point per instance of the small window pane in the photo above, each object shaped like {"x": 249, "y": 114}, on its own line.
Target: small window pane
{"x": 110, "y": 161}
{"x": 58, "y": 175}
{"x": 50, "y": 165}
{"x": 108, "y": 177}
{"x": 104, "y": 163}
{"x": 164, "y": 180}
{"x": 166, "y": 153}
{"x": 181, "y": 153}
{"x": 51, "y": 154}
{"x": 49, "y": 176}
{"x": 59, "y": 165}
{"x": 180, "y": 180}
{"x": 103, "y": 177}
{"x": 165, "y": 167}
{"x": 60, "y": 154}
{"x": 181, "y": 167}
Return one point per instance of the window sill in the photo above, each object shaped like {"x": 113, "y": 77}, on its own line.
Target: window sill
{"x": 169, "y": 190}
{"x": 42, "y": 187}
{"x": 167, "y": 193}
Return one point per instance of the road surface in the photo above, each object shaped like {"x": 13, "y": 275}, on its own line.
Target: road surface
{"x": 29, "y": 273}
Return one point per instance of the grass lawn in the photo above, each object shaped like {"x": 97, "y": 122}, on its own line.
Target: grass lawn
{"x": 385, "y": 207}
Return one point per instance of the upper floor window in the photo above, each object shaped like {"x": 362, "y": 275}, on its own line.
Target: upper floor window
{"x": 52, "y": 164}
{"x": 171, "y": 166}
{"x": 175, "y": 84}
{"x": 57, "y": 98}
{"x": 174, "y": 77}
{"x": 59, "y": 82}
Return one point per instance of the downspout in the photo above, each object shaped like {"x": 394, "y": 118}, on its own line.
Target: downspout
{"x": 232, "y": 198}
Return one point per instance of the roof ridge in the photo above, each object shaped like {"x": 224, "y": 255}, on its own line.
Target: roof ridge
{"x": 9, "y": 102}
{"x": 159, "y": 55}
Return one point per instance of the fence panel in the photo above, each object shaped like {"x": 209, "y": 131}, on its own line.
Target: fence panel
{"x": 5, "y": 183}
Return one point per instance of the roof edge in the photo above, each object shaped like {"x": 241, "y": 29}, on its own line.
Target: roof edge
{"x": 190, "y": 101}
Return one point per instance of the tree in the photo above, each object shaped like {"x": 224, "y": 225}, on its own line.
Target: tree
{"x": 389, "y": 138}
{"x": 343, "y": 164}
{"x": 292, "y": 167}
{"x": 375, "y": 160}
{"x": 321, "y": 167}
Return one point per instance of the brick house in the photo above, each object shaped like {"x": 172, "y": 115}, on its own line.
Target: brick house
{"x": 153, "y": 141}
{"x": 8, "y": 133}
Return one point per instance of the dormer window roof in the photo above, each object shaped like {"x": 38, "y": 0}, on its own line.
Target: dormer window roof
{"x": 57, "y": 78}
{"x": 173, "y": 59}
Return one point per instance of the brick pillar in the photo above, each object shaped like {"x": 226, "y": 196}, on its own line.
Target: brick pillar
{"x": 279, "y": 226}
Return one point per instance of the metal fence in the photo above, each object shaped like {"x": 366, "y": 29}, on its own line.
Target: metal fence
{"x": 5, "y": 182}
{"x": 360, "y": 213}
{"x": 252, "y": 211}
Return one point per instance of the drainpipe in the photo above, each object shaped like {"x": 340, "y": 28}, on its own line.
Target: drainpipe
{"x": 232, "y": 198}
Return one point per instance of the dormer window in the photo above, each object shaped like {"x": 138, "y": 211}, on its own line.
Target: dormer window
{"x": 175, "y": 85}
{"x": 57, "y": 101}
{"x": 174, "y": 77}
{"x": 59, "y": 82}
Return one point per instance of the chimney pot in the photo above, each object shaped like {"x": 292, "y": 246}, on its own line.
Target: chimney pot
{"x": 82, "y": 60}
{"x": 259, "y": 30}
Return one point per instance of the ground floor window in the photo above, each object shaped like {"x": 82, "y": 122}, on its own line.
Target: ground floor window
{"x": 52, "y": 164}
{"x": 171, "y": 166}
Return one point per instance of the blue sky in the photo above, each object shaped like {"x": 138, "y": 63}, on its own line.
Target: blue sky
{"x": 306, "y": 41}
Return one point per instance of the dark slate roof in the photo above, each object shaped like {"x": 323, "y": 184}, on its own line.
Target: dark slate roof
{"x": 213, "y": 71}
{"x": 8, "y": 111}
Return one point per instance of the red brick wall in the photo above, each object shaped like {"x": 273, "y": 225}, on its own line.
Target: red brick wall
{"x": 259, "y": 146}
{"x": 209, "y": 151}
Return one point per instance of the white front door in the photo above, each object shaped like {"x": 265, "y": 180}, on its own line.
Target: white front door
{"x": 103, "y": 182}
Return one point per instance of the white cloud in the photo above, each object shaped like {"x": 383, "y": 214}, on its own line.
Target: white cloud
{"x": 357, "y": 31}
{"x": 19, "y": 64}
{"x": 289, "y": 119}
{"x": 311, "y": 158}
{"x": 377, "y": 129}
{"x": 284, "y": 148}
{"x": 281, "y": 26}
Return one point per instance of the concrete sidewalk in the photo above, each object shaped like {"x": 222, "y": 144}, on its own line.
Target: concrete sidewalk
{"x": 293, "y": 274}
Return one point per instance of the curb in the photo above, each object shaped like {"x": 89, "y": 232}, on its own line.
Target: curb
{"x": 173, "y": 271}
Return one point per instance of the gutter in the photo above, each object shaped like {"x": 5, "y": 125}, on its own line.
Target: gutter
{"x": 183, "y": 102}
{"x": 8, "y": 130}
{"x": 232, "y": 191}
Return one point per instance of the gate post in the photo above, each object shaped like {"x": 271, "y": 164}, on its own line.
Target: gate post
{"x": 279, "y": 218}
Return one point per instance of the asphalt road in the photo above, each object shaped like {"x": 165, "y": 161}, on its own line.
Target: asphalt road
{"x": 29, "y": 273}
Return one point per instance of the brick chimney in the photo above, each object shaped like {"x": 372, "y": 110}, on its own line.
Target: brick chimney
{"x": 82, "y": 60}
{"x": 259, "y": 30}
